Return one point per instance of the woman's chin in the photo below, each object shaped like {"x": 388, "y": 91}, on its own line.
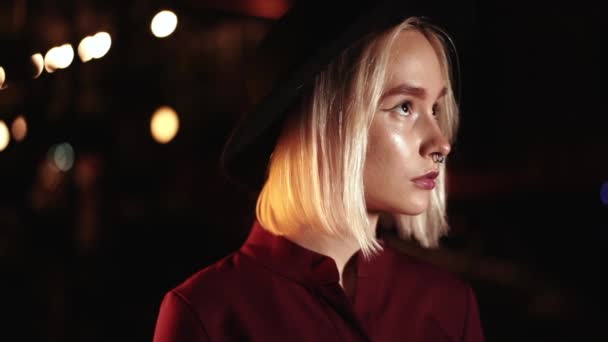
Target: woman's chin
{"x": 413, "y": 209}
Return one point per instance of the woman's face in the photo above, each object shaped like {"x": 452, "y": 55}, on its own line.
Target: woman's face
{"x": 404, "y": 133}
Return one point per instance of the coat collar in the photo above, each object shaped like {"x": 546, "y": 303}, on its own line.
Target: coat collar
{"x": 290, "y": 260}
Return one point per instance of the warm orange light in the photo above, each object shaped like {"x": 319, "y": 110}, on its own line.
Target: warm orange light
{"x": 19, "y": 128}
{"x": 164, "y": 124}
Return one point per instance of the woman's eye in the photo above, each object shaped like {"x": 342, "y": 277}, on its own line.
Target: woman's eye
{"x": 436, "y": 111}
{"x": 404, "y": 108}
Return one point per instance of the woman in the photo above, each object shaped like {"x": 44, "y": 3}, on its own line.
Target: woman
{"x": 364, "y": 123}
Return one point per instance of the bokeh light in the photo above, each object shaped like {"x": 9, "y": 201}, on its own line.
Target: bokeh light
{"x": 604, "y": 193}
{"x": 163, "y": 24}
{"x": 164, "y": 124}
{"x": 38, "y": 64}
{"x": 93, "y": 47}
{"x": 19, "y": 128}
{"x": 50, "y": 176}
{"x": 62, "y": 156}
{"x": 4, "y": 136}
{"x": 59, "y": 57}
{"x": 2, "y": 77}
{"x": 85, "y": 48}
{"x": 103, "y": 42}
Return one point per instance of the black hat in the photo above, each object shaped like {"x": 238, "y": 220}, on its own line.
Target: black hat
{"x": 299, "y": 46}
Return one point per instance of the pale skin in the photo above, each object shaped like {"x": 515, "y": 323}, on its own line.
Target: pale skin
{"x": 402, "y": 138}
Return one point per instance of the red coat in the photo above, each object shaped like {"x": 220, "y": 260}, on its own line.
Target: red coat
{"x": 275, "y": 290}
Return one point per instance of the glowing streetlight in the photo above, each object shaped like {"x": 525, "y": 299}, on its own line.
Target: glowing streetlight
{"x": 164, "y": 124}
{"x": 163, "y": 24}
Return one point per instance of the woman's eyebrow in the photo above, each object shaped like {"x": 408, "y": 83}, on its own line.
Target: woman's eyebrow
{"x": 407, "y": 89}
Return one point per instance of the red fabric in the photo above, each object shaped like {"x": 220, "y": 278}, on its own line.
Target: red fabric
{"x": 275, "y": 290}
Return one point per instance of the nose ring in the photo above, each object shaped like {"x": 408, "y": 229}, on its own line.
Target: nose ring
{"x": 437, "y": 157}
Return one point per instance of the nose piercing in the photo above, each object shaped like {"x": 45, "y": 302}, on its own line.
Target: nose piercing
{"x": 437, "y": 157}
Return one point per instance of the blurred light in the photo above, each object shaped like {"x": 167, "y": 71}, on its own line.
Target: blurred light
{"x": 50, "y": 59}
{"x": 2, "y": 77}
{"x": 604, "y": 193}
{"x": 19, "y": 128}
{"x": 62, "y": 156}
{"x": 163, "y": 24}
{"x": 50, "y": 176}
{"x": 38, "y": 63}
{"x": 59, "y": 57}
{"x": 164, "y": 124}
{"x": 85, "y": 48}
{"x": 101, "y": 44}
{"x": 4, "y": 136}
{"x": 95, "y": 46}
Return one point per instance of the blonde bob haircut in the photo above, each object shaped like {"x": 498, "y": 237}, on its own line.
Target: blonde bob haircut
{"x": 315, "y": 173}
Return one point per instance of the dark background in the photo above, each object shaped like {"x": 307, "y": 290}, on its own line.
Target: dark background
{"x": 87, "y": 254}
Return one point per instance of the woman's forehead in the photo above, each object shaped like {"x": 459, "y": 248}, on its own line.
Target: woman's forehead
{"x": 414, "y": 61}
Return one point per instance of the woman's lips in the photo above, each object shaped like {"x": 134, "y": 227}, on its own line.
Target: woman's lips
{"x": 426, "y": 181}
{"x": 426, "y": 184}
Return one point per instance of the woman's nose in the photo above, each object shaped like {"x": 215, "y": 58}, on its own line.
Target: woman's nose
{"x": 434, "y": 140}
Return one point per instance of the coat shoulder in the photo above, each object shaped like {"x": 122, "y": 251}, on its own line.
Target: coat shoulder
{"x": 220, "y": 285}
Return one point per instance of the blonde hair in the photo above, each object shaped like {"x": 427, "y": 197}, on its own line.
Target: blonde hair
{"x": 315, "y": 175}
